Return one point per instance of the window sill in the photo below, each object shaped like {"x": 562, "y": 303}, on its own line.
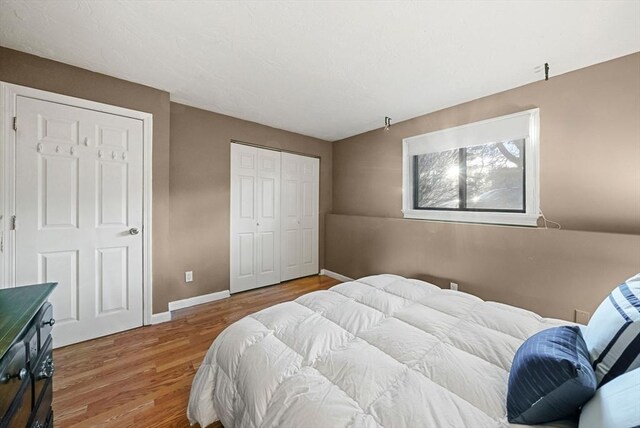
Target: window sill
{"x": 510, "y": 219}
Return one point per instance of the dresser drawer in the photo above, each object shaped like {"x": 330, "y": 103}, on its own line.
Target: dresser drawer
{"x": 42, "y": 369}
{"x": 42, "y": 416}
{"x": 19, "y": 412}
{"x": 13, "y": 373}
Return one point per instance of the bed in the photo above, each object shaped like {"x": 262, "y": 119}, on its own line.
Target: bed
{"x": 380, "y": 351}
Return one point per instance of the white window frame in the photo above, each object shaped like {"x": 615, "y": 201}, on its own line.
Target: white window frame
{"x": 524, "y": 124}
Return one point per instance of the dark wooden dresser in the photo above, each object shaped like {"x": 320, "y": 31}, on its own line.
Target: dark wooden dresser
{"x": 26, "y": 358}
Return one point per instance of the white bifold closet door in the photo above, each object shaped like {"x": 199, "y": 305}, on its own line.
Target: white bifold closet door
{"x": 255, "y": 217}
{"x": 300, "y": 187}
{"x": 274, "y": 217}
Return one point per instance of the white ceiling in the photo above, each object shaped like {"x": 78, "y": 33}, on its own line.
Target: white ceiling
{"x": 321, "y": 68}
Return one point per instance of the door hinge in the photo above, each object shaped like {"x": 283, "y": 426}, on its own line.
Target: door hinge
{"x": 15, "y": 123}
{"x": 14, "y": 223}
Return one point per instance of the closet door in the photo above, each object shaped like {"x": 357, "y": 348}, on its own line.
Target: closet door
{"x": 255, "y": 211}
{"x": 268, "y": 218}
{"x": 300, "y": 209}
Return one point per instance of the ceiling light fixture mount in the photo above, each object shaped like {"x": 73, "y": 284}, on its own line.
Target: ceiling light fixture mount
{"x": 546, "y": 71}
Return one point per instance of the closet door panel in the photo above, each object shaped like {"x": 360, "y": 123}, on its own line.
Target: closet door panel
{"x": 290, "y": 221}
{"x": 268, "y": 220}
{"x": 300, "y": 189}
{"x": 290, "y": 250}
{"x": 309, "y": 214}
{"x": 244, "y": 166}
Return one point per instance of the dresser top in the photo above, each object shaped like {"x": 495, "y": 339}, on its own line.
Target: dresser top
{"x": 17, "y": 306}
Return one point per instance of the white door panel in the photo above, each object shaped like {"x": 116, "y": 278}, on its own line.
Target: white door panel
{"x": 243, "y": 217}
{"x": 307, "y": 248}
{"x": 246, "y": 254}
{"x": 255, "y": 214}
{"x": 79, "y": 190}
{"x": 62, "y": 267}
{"x": 300, "y": 207}
{"x": 268, "y": 220}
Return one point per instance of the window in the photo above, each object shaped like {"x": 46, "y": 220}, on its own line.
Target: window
{"x": 484, "y": 172}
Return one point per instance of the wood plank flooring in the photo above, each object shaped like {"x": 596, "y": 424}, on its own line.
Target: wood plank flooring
{"x": 142, "y": 377}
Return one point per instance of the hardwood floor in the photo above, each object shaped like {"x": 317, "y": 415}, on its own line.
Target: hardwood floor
{"x": 142, "y": 377}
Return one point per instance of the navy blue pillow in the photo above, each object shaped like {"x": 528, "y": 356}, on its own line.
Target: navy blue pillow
{"x": 550, "y": 378}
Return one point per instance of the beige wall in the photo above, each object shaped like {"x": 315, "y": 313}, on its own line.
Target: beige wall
{"x": 28, "y": 70}
{"x": 547, "y": 271}
{"x": 191, "y": 232}
{"x": 590, "y": 181}
{"x": 200, "y": 184}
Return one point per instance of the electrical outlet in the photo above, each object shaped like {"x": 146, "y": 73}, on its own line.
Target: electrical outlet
{"x": 453, "y": 286}
{"x": 582, "y": 317}
{"x": 188, "y": 276}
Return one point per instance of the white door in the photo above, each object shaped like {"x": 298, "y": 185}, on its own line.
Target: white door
{"x": 300, "y": 209}
{"x": 255, "y": 217}
{"x": 78, "y": 206}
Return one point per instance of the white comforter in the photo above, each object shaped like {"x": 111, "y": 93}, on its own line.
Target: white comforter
{"x": 379, "y": 351}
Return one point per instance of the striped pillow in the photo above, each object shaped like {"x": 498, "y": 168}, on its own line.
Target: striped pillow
{"x": 613, "y": 333}
{"x": 550, "y": 378}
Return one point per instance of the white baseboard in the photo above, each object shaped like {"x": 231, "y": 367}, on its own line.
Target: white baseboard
{"x": 198, "y": 300}
{"x": 335, "y": 275}
{"x": 160, "y": 318}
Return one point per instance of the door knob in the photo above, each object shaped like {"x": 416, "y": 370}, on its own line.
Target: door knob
{"x": 133, "y": 231}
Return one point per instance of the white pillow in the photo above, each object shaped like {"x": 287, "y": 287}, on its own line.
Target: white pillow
{"x": 615, "y": 405}
{"x": 613, "y": 333}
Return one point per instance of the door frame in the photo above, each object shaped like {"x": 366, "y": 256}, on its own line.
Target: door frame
{"x": 8, "y": 103}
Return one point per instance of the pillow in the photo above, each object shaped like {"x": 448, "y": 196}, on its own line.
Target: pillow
{"x": 613, "y": 333}
{"x": 615, "y": 405}
{"x": 550, "y": 378}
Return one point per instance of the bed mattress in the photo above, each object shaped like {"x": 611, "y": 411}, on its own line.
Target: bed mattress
{"x": 380, "y": 351}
